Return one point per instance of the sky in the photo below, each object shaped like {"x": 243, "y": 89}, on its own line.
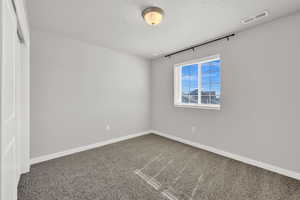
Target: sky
{"x": 210, "y": 77}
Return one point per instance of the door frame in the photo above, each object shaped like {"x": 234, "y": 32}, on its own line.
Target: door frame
{"x": 24, "y": 119}
{"x": 24, "y": 84}
{"x": 24, "y": 123}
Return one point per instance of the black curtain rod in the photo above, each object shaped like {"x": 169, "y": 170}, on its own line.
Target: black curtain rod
{"x": 199, "y": 45}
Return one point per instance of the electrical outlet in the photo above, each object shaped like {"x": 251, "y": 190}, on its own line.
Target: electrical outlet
{"x": 194, "y": 128}
{"x": 107, "y": 127}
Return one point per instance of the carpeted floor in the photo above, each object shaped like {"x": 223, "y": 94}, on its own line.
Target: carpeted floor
{"x": 153, "y": 168}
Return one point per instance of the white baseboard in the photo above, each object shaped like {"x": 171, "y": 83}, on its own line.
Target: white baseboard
{"x": 243, "y": 159}
{"x": 84, "y": 148}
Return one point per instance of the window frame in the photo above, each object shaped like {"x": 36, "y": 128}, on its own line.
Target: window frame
{"x": 177, "y": 83}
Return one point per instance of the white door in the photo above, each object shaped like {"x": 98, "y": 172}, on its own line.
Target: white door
{"x": 9, "y": 158}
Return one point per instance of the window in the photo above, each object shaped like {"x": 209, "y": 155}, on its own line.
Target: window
{"x": 197, "y": 83}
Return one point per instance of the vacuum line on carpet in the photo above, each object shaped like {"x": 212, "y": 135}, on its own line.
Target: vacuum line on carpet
{"x": 154, "y": 159}
{"x": 197, "y": 185}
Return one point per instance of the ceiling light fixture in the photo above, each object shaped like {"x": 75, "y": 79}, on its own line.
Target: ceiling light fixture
{"x": 153, "y": 15}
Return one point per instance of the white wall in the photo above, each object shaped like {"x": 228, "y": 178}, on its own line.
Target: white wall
{"x": 259, "y": 116}
{"x": 1, "y": 38}
{"x": 78, "y": 88}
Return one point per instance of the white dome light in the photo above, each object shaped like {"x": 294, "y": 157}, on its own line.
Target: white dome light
{"x": 153, "y": 15}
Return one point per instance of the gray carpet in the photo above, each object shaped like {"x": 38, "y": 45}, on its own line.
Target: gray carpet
{"x": 151, "y": 167}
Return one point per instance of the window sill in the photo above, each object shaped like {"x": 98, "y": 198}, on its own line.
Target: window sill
{"x": 197, "y": 106}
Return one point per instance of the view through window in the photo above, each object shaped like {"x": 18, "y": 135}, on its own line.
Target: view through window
{"x": 198, "y": 83}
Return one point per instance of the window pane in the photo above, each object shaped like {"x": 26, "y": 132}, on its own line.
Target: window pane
{"x": 205, "y": 78}
{"x": 215, "y": 89}
{"x": 185, "y": 99}
{"x": 205, "y": 99}
{"x": 211, "y": 80}
{"x": 189, "y": 83}
{"x": 194, "y": 98}
{"x": 215, "y": 99}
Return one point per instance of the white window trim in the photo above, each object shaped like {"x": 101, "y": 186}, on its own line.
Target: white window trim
{"x": 177, "y": 84}
{"x": 199, "y": 106}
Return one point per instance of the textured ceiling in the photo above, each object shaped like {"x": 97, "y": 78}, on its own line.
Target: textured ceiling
{"x": 117, "y": 24}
